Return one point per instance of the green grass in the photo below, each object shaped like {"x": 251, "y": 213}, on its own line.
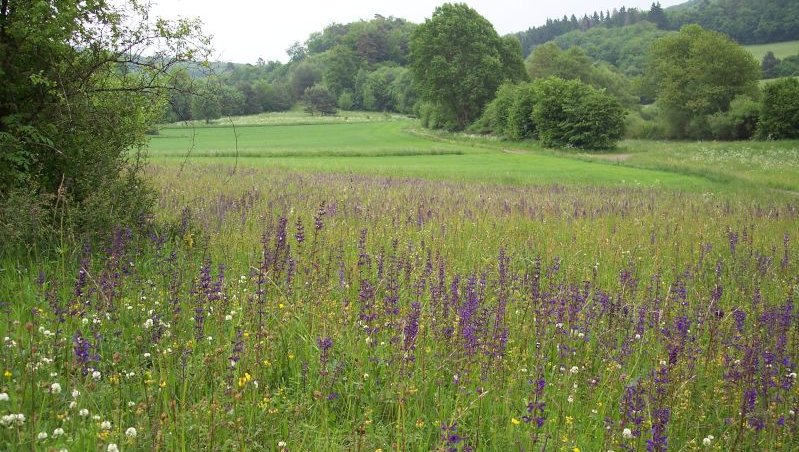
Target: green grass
{"x": 750, "y": 164}
{"x": 396, "y": 146}
{"x": 780, "y": 49}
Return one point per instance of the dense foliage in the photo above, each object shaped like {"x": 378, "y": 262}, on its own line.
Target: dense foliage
{"x": 780, "y": 116}
{"x": 568, "y": 113}
{"x": 745, "y": 21}
{"x": 458, "y": 61}
{"x": 618, "y": 18}
{"x": 573, "y": 64}
{"x": 362, "y": 64}
{"x": 76, "y": 100}
{"x": 697, "y": 73}
{"x": 625, "y": 48}
{"x": 561, "y": 113}
{"x": 319, "y": 99}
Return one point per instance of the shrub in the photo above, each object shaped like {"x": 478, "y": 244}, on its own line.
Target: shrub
{"x": 572, "y": 114}
{"x": 432, "y": 117}
{"x": 738, "y": 123}
{"x": 318, "y": 99}
{"x": 640, "y": 125}
{"x": 519, "y": 124}
{"x": 345, "y": 101}
{"x": 495, "y": 116}
{"x": 779, "y": 117}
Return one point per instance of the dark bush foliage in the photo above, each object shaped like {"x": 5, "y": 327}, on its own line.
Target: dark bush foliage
{"x": 779, "y": 117}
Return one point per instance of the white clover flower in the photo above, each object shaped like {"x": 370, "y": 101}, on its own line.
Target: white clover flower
{"x": 112, "y": 448}
{"x": 626, "y": 433}
{"x": 41, "y": 436}
{"x": 131, "y": 404}
{"x": 83, "y": 412}
{"x": 228, "y": 317}
{"x": 3, "y": 397}
{"x": 73, "y": 404}
{"x": 281, "y": 444}
{"x": 148, "y": 324}
{"x": 97, "y": 375}
{"x": 708, "y": 440}
{"x": 131, "y": 432}
{"x": 147, "y": 354}
{"x": 570, "y": 399}
{"x": 574, "y": 369}
{"x": 55, "y": 388}
{"x": 58, "y": 432}
{"x": 105, "y": 425}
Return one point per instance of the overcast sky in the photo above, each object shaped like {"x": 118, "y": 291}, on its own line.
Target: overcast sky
{"x": 245, "y": 30}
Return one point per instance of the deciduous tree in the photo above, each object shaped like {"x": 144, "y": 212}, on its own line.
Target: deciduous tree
{"x": 458, "y": 61}
{"x": 696, "y": 73}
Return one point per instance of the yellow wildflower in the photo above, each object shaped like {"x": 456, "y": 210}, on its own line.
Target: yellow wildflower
{"x": 243, "y": 380}
{"x": 515, "y": 421}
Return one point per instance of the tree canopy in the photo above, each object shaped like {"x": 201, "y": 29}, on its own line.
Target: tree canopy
{"x": 696, "y": 73}
{"x": 458, "y": 61}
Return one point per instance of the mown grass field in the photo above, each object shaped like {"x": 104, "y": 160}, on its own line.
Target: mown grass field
{"x": 780, "y": 49}
{"x": 365, "y": 285}
{"x": 383, "y": 145}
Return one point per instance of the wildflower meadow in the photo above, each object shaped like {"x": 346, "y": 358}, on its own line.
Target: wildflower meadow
{"x": 268, "y": 309}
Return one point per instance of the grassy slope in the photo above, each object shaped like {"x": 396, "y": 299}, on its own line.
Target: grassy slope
{"x": 780, "y": 49}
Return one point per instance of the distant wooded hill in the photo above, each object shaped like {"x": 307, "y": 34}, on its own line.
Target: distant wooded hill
{"x": 746, "y": 21}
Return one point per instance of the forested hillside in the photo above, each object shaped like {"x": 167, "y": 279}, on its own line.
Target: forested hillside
{"x": 746, "y": 21}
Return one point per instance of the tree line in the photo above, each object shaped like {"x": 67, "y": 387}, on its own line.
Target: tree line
{"x": 355, "y": 66}
{"x": 745, "y": 21}
{"x": 695, "y": 84}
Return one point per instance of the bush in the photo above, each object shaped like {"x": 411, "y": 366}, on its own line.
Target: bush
{"x": 779, "y": 117}
{"x": 738, "y": 123}
{"x": 319, "y": 99}
{"x": 345, "y": 101}
{"x": 519, "y": 124}
{"x": 572, "y": 114}
{"x": 641, "y": 126}
{"x": 75, "y": 108}
{"x": 432, "y": 117}
{"x": 495, "y": 116}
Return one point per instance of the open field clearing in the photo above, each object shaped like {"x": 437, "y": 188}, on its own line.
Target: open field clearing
{"x": 780, "y": 49}
{"x": 703, "y": 166}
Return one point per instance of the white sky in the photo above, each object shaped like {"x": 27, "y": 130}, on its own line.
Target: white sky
{"x": 244, "y": 30}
